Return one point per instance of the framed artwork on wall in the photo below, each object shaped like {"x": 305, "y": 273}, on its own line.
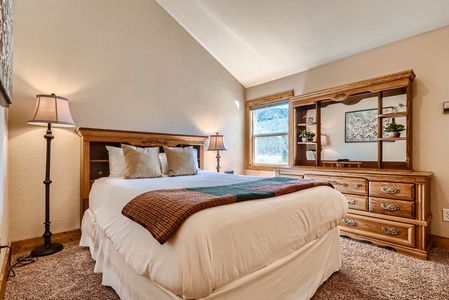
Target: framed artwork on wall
{"x": 361, "y": 125}
{"x": 5, "y": 52}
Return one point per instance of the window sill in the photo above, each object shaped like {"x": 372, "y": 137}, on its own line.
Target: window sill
{"x": 263, "y": 167}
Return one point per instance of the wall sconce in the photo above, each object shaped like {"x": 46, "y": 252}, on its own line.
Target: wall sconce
{"x": 216, "y": 143}
{"x": 445, "y": 107}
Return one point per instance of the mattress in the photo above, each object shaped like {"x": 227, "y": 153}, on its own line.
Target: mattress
{"x": 219, "y": 245}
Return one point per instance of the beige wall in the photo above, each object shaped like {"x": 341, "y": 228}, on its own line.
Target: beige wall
{"x": 427, "y": 55}
{"x": 122, "y": 66}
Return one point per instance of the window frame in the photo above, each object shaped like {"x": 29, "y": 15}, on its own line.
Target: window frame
{"x": 249, "y": 137}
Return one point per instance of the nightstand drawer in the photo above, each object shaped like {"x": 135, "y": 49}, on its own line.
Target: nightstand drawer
{"x": 398, "y": 208}
{"x": 357, "y": 202}
{"x": 394, "y": 232}
{"x": 345, "y": 185}
{"x": 395, "y": 190}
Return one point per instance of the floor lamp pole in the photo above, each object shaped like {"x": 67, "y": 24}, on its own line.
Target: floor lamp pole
{"x": 48, "y": 247}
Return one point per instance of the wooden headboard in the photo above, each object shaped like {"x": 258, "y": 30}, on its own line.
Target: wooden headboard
{"x": 95, "y": 157}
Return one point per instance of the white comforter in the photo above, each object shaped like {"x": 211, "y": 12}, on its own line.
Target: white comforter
{"x": 217, "y": 245}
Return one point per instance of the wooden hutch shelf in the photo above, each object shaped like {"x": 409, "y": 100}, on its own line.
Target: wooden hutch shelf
{"x": 310, "y": 105}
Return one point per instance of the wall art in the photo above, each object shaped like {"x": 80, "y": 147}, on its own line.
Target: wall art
{"x": 6, "y": 52}
{"x": 361, "y": 125}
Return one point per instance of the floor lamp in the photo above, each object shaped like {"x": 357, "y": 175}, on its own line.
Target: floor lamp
{"x": 50, "y": 109}
{"x": 216, "y": 143}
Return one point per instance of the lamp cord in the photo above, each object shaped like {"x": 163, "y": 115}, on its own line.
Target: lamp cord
{"x": 21, "y": 261}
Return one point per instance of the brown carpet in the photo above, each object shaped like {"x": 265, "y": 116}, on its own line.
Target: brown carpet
{"x": 367, "y": 272}
{"x": 370, "y": 272}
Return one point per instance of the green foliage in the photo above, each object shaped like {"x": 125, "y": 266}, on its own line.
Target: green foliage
{"x": 307, "y": 134}
{"x": 271, "y": 120}
{"x": 272, "y": 149}
{"x": 393, "y": 127}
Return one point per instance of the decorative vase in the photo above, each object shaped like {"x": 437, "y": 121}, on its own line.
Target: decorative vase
{"x": 393, "y": 134}
{"x": 304, "y": 139}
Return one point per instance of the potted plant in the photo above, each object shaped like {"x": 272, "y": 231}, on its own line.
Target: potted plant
{"x": 393, "y": 129}
{"x": 306, "y": 135}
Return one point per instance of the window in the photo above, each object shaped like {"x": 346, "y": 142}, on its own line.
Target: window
{"x": 270, "y": 129}
{"x": 267, "y": 131}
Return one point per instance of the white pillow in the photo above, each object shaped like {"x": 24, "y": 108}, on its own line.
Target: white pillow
{"x": 181, "y": 161}
{"x": 116, "y": 161}
{"x": 195, "y": 156}
{"x": 164, "y": 163}
{"x": 141, "y": 162}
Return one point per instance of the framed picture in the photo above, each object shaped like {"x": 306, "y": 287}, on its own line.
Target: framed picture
{"x": 5, "y": 52}
{"x": 361, "y": 125}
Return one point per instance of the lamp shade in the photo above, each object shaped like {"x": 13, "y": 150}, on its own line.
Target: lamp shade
{"x": 216, "y": 143}
{"x": 52, "y": 109}
{"x": 324, "y": 140}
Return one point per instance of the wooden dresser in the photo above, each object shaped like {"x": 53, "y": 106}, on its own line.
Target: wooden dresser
{"x": 389, "y": 208}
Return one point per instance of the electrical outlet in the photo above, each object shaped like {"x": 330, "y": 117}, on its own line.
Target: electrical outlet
{"x": 446, "y": 214}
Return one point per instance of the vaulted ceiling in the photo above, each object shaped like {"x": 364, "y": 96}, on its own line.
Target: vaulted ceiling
{"x": 262, "y": 40}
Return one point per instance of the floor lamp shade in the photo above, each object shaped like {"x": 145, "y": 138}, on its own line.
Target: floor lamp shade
{"x": 50, "y": 109}
{"x": 216, "y": 143}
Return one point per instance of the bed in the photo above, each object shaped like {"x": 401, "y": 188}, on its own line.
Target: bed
{"x": 282, "y": 247}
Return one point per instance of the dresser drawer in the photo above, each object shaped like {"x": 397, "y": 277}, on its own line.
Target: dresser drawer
{"x": 398, "y": 208}
{"x": 394, "y": 232}
{"x": 394, "y": 190}
{"x": 345, "y": 185}
{"x": 357, "y": 201}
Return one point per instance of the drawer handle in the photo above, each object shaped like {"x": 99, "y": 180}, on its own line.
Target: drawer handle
{"x": 392, "y": 231}
{"x": 390, "y": 190}
{"x": 350, "y": 222}
{"x": 338, "y": 183}
{"x": 390, "y": 207}
{"x": 356, "y": 186}
{"x": 352, "y": 201}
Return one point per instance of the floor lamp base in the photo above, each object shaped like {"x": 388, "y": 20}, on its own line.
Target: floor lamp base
{"x": 44, "y": 250}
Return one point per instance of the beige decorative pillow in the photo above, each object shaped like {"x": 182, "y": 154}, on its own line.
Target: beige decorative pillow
{"x": 141, "y": 162}
{"x": 181, "y": 161}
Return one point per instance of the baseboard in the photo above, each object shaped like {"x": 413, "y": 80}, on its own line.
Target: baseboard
{"x": 440, "y": 242}
{"x": 30, "y": 244}
{"x": 4, "y": 273}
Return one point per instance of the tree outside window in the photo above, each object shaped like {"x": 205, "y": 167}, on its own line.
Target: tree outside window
{"x": 270, "y": 134}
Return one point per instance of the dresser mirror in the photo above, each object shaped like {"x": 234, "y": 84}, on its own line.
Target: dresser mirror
{"x": 350, "y": 130}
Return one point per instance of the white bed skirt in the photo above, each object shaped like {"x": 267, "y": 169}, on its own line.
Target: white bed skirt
{"x": 294, "y": 277}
